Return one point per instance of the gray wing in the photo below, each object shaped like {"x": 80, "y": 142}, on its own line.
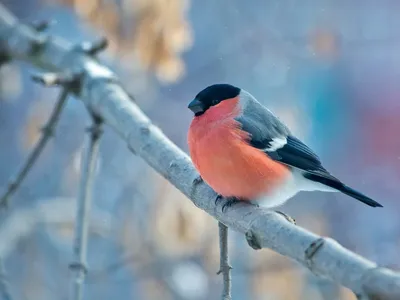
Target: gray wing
{"x": 265, "y": 128}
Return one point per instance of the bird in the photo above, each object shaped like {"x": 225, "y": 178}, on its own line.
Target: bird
{"x": 246, "y": 153}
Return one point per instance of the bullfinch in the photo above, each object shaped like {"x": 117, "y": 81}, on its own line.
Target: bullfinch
{"x": 245, "y": 153}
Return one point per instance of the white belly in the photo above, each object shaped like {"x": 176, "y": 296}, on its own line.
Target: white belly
{"x": 294, "y": 184}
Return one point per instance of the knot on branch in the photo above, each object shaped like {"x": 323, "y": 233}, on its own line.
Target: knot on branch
{"x": 95, "y": 129}
{"x": 224, "y": 268}
{"x": 253, "y": 240}
{"x": 38, "y": 44}
{"x": 93, "y": 48}
{"x": 311, "y": 251}
{"x": 286, "y": 216}
{"x": 172, "y": 165}
{"x": 172, "y": 169}
{"x": 78, "y": 266}
{"x": 145, "y": 130}
{"x": 71, "y": 81}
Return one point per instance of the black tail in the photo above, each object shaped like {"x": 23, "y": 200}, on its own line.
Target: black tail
{"x": 336, "y": 184}
{"x": 353, "y": 193}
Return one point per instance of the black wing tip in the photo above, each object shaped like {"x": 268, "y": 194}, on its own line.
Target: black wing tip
{"x": 359, "y": 196}
{"x": 376, "y": 204}
{"x": 371, "y": 202}
{"x": 333, "y": 182}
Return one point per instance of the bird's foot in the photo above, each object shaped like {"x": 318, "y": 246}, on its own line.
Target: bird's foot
{"x": 229, "y": 201}
{"x": 287, "y": 217}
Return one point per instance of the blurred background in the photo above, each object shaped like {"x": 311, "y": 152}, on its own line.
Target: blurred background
{"x": 330, "y": 69}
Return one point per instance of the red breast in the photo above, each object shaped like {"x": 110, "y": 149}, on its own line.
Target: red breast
{"x": 221, "y": 153}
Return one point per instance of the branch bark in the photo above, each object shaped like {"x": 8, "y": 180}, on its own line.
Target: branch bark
{"x": 103, "y": 95}
{"x": 79, "y": 265}
{"x": 224, "y": 268}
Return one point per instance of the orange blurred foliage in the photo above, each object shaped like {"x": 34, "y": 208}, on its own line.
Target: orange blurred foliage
{"x": 156, "y": 31}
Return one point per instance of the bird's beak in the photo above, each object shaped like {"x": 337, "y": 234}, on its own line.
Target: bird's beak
{"x": 196, "y": 106}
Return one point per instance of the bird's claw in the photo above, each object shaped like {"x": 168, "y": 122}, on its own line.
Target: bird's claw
{"x": 229, "y": 202}
{"x": 219, "y": 197}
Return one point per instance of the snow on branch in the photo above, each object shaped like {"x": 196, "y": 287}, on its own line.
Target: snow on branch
{"x": 103, "y": 95}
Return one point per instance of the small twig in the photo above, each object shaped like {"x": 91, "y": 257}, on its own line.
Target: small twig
{"x": 47, "y": 132}
{"x": 225, "y": 268}
{"x": 83, "y": 211}
{"x": 4, "y": 286}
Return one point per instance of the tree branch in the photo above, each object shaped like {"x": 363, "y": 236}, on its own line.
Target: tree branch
{"x": 47, "y": 133}
{"x": 83, "y": 211}
{"x": 224, "y": 268}
{"x": 103, "y": 95}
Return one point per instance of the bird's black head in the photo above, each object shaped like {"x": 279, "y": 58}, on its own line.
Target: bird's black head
{"x": 212, "y": 95}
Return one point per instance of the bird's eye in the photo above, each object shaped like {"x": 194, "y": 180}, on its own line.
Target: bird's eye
{"x": 215, "y": 102}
